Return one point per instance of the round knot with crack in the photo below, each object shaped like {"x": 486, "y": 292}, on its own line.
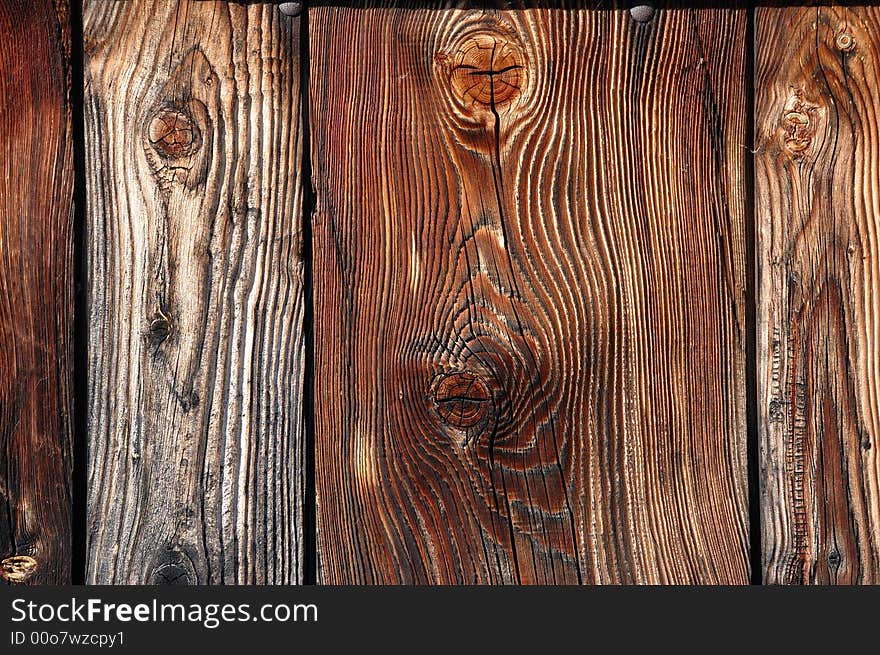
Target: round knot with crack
{"x": 173, "y": 134}
{"x": 487, "y": 69}
{"x": 462, "y": 399}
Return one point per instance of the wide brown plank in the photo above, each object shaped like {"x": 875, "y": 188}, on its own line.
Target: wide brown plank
{"x": 193, "y": 148}
{"x": 36, "y": 292}
{"x": 530, "y": 295}
{"x": 817, "y": 169}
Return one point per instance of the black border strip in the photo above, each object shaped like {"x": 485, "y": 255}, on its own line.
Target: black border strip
{"x": 79, "y": 376}
{"x": 753, "y": 438}
{"x": 310, "y": 547}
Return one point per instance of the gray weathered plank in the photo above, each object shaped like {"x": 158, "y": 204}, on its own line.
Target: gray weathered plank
{"x": 193, "y": 143}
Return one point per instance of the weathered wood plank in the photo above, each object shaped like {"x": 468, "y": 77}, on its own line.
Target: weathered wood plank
{"x": 819, "y": 292}
{"x": 530, "y": 289}
{"x": 36, "y": 292}
{"x": 193, "y": 146}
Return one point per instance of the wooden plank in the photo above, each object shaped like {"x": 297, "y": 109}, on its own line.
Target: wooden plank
{"x": 819, "y": 292}
{"x": 36, "y": 299}
{"x": 530, "y": 295}
{"x": 193, "y": 145}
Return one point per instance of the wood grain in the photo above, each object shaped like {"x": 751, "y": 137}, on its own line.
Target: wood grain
{"x": 36, "y": 292}
{"x": 530, "y": 294}
{"x": 193, "y": 147}
{"x": 819, "y": 292}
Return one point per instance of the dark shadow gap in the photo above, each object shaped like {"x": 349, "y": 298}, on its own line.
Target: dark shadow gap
{"x": 310, "y": 547}
{"x": 753, "y": 440}
{"x": 79, "y": 376}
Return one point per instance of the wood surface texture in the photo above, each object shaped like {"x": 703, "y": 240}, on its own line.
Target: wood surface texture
{"x": 818, "y": 205}
{"x": 36, "y": 292}
{"x": 193, "y": 147}
{"x": 530, "y": 295}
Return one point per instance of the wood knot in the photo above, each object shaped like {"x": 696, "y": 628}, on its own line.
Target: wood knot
{"x": 462, "y": 399}
{"x": 18, "y": 568}
{"x": 171, "y": 574}
{"x": 845, "y": 42}
{"x": 776, "y": 411}
{"x": 174, "y": 134}
{"x": 160, "y": 328}
{"x": 800, "y": 123}
{"x": 834, "y": 559}
{"x": 486, "y": 69}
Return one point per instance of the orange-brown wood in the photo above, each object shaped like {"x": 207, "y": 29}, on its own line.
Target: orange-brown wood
{"x": 36, "y": 292}
{"x": 530, "y": 295}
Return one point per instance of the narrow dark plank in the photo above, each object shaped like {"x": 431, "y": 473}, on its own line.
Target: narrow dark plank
{"x": 36, "y": 292}
{"x": 529, "y": 295}
{"x": 193, "y": 143}
{"x": 817, "y": 189}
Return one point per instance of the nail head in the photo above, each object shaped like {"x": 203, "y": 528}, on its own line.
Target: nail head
{"x": 844, "y": 42}
{"x": 642, "y": 13}
{"x": 290, "y": 8}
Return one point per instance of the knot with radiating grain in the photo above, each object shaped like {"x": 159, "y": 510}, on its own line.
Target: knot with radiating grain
{"x": 487, "y": 69}
{"x": 462, "y": 399}
{"x": 482, "y": 70}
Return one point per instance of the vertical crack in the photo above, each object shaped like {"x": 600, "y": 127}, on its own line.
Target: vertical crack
{"x": 499, "y": 194}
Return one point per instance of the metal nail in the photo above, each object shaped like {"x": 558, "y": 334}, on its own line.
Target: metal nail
{"x": 291, "y": 8}
{"x": 642, "y": 13}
